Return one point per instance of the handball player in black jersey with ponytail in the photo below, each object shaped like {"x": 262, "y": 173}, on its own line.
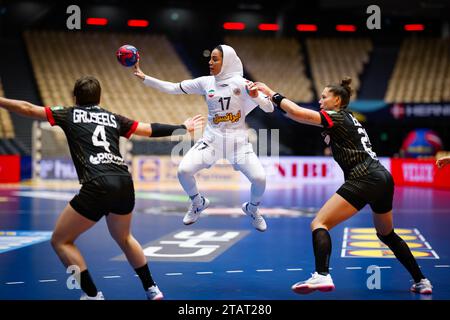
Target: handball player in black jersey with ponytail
{"x": 107, "y": 188}
{"x": 366, "y": 182}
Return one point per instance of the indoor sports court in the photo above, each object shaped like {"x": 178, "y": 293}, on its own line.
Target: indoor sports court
{"x": 398, "y": 62}
{"x": 223, "y": 257}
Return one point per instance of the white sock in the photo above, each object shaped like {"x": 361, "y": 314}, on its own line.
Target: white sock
{"x": 198, "y": 200}
{"x": 252, "y": 207}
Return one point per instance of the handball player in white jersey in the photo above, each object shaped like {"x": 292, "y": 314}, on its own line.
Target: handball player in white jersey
{"x": 230, "y": 97}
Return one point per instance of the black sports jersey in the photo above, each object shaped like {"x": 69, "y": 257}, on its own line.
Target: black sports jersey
{"x": 349, "y": 142}
{"x": 93, "y": 136}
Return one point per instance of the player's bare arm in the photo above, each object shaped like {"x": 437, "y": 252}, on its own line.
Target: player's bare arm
{"x": 23, "y": 108}
{"x": 294, "y": 111}
{"x": 442, "y": 162}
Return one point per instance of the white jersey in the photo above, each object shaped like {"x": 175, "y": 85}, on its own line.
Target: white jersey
{"x": 228, "y": 101}
{"x": 226, "y": 95}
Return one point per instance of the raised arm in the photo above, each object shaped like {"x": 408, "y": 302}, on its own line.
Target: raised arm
{"x": 294, "y": 111}
{"x": 163, "y": 86}
{"x": 443, "y": 161}
{"x": 23, "y": 108}
{"x": 164, "y": 130}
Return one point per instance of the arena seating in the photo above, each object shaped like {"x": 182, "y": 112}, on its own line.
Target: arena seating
{"x": 278, "y": 62}
{"x": 422, "y": 72}
{"x": 59, "y": 58}
{"x": 333, "y": 58}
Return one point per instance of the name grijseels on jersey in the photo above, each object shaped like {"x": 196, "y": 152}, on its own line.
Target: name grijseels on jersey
{"x": 101, "y": 118}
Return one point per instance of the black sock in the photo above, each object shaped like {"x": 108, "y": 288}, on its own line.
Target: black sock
{"x": 145, "y": 276}
{"x": 403, "y": 254}
{"x": 322, "y": 250}
{"x": 87, "y": 285}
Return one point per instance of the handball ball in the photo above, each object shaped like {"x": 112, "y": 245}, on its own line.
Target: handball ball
{"x": 421, "y": 142}
{"x": 127, "y": 55}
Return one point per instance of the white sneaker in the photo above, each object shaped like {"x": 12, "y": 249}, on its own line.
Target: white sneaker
{"x": 99, "y": 296}
{"x": 194, "y": 211}
{"x": 423, "y": 286}
{"x": 153, "y": 293}
{"x": 258, "y": 221}
{"x": 316, "y": 282}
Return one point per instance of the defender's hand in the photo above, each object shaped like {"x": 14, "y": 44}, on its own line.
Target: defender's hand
{"x": 194, "y": 123}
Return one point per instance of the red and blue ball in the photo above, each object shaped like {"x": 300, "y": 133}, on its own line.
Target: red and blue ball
{"x": 127, "y": 55}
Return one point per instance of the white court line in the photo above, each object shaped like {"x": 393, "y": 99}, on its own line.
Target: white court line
{"x": 15, "y": 282}
{"x": 353, "y": 268}
{"x": 174, "y": 274}
{"x": 264, "y": 270}
{"x": 48, "y": 280}
{"x": 383, "y": 267}
{"x": 442, "y": 266}
{"x": 344, "y": 243}
{"x": 294, "y": 269}
{"x": 435, "y": 254}
{"x": 111, "y": 277}
{"x": 234, "y": 271}
{"x": 204, "y": 272}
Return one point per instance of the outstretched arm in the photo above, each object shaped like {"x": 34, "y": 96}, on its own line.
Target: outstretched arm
{"x": 294, "y": 111}
{"x": 442, "y": 162}
{"x": 163, "y": 86}
{"x": 23, "y": 108}
{"x": 164, "y": 130}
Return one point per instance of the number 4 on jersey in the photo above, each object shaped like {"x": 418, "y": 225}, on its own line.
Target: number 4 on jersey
{"x": 100, "y": 133}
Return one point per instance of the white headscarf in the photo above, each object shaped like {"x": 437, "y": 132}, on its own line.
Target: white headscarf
{"x": 231, "y": 64}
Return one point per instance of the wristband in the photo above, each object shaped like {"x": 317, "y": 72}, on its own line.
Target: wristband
{"x": 277, "y": 98}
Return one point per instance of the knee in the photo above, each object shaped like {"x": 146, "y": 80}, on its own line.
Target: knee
{"x": 317, "y": 224}
{"x": 259, "y": 179}
{"x": 386, "y": 238}
{"x": 183, "y": 171}
{"x": 122, "y": 240}
{"x": 57, "y": 241}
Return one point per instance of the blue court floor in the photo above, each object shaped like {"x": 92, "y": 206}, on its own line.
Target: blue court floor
{"x": 221, "y": 257}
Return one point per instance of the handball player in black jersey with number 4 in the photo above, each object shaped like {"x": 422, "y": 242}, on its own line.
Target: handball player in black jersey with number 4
{"x": 366, "y": 182}
{"x": 107, "y": 188}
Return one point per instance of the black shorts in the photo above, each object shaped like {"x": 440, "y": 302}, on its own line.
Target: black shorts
{"x": 375, "y": 189}
{"x": 102, "y": 195}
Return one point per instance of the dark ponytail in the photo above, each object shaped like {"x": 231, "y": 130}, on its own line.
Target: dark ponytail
{"x": 342, "y": 90}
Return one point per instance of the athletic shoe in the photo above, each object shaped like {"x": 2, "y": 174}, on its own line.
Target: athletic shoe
{"x": 99, "y": 296}
{"x": 423, "y": 286}
{"x": 153, "y": 293}
{"x": 257, "y": 219}
{"x": 194, "y": 211}
{"x": 316, "y": 282}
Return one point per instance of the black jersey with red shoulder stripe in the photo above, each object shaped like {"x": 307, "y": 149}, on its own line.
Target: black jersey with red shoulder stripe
{"x": 93, "y": 136}
{"x": 349, "y": 143}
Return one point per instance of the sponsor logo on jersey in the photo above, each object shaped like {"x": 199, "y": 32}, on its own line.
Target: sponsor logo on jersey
{"x": 106, "y": 158}
{"x": 229, "y": 117}
{"x": 236, "y": 91}
{"x": 211, "y": 93}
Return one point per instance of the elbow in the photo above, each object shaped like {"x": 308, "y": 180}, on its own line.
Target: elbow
{"x": 268, "y": 108}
